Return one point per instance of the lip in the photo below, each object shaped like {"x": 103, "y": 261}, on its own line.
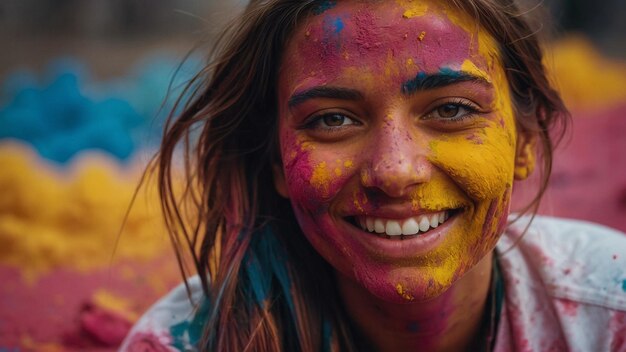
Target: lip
{"x": 409, "y": 247}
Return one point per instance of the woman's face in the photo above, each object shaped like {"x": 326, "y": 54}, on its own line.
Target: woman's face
{"x": 398, "y": 143}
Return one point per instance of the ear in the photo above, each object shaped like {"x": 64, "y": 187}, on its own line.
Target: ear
{"x": 525, "y": 157}
{"x": 279, "y": 180}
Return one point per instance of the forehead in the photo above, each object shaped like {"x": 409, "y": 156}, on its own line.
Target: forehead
{"x": 398, "y": 38}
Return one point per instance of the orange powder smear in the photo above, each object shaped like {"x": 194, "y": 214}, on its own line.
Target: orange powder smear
{"x": 585, "y": 79}
{"x": 50, "y": 219}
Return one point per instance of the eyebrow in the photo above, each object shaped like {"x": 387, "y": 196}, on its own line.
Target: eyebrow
{"x": 443, "y": 78}
{"x": 324, "y": 92}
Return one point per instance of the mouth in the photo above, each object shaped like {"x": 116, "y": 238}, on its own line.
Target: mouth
{"x": 400, "y": 229}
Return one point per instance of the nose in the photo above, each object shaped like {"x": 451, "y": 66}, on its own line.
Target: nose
{"x": 397, "y": 162}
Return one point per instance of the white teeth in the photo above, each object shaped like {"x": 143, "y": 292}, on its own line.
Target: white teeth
{"x": 393, "y": 228}
{"x": 424, "y": 223}
{"x": 379, "y": 226}
{"x": 434, "y": 221}
{"x": 409, "y": 226}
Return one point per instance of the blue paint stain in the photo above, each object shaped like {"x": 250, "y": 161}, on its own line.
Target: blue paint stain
{"x": 332, "y": 27}
{"x": 414, "y": 84}
{"x": 188, "y": 333}
{"x": 448, "y": 72}
{"x": 445, "y": 76}
{"x": 338, "y": 25}
{"x": 324, "y": 6}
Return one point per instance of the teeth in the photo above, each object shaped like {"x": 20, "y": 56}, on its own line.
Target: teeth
{"x": 434, "y": 221}
{"x": 393, "y": 228}
{"x": 379, "y": 226}
{"x": 409, "y": 226}
{"x": 424, "y": 223}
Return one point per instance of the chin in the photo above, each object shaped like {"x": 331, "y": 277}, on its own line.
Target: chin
{"x": 405, "y": 284}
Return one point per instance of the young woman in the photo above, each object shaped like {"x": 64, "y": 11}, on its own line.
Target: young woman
{"x": 350, "y": 166}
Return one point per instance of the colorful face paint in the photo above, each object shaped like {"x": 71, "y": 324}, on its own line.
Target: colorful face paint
{"x": 395, "y": 118}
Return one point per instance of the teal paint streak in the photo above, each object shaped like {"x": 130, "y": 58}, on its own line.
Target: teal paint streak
{"x": 324, "y": 6}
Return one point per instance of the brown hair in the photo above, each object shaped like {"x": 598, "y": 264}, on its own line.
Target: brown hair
{"x": 228, "y": 136}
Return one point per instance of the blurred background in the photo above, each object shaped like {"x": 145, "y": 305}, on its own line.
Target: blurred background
{"x": 85, "y": 87}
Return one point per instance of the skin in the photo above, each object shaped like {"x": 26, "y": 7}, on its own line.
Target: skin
{"x": 363, "y": 134}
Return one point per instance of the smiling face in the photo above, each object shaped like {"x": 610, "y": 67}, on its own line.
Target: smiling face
{"x": 398, "y": 143}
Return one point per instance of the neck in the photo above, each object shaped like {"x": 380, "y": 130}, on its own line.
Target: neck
{"x": 450, "y": 322}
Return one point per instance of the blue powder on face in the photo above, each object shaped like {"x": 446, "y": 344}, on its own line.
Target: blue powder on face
{"x": 445, "y": 76}
{"x": 324, "y": 6}
{"x": 338, "y": 25}
{"x": 332, "y": 27}
{"x": 624, "y": 285}
{"x": 413, "y": 84}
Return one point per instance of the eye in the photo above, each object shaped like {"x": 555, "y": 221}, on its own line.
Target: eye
{"x": 330, "y": 121}
{"x": 452, "y": 111}
{"x": 449, "y": 110}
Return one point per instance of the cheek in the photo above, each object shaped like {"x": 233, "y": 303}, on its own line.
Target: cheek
{"x": 481, "y": 163}
{"x": 314, "y": 176}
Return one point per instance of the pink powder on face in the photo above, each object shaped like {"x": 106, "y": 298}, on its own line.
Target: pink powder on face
{"x": 367, "y": 39}
{"x": 372, "y": 49}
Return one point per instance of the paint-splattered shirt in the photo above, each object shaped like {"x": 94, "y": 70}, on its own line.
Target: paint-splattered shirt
{"x": 565, "y": 290}
{"x": 565, "y": 287}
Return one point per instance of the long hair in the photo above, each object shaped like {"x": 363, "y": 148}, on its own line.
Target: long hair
{"x": 265, "y": 288}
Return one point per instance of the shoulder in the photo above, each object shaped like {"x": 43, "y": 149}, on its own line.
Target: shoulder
{"x": 169, "y": 324}
{"x": 575, "y": 259}
{"x": 569, "y": 278}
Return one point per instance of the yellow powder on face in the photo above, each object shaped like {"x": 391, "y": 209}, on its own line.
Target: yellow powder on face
{"x": 391, "y": 67}
{"x": 421, "y": 36}
{"x": 403, "y": 293}
{"x": 51, "y": 219}
{"x": 487, "y": 46}
{"x": 321, "y": 177}
{"x": 483, "y": 170}
{"x": 348, "y": 164}
{"x": 363, "y": 76}
{"x": 469, "y": 67}
{"x": 413, "y": 8}
{"x": 437, "y": 194}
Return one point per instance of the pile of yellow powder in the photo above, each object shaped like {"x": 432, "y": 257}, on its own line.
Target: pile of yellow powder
{"x": 71, "y": 218}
